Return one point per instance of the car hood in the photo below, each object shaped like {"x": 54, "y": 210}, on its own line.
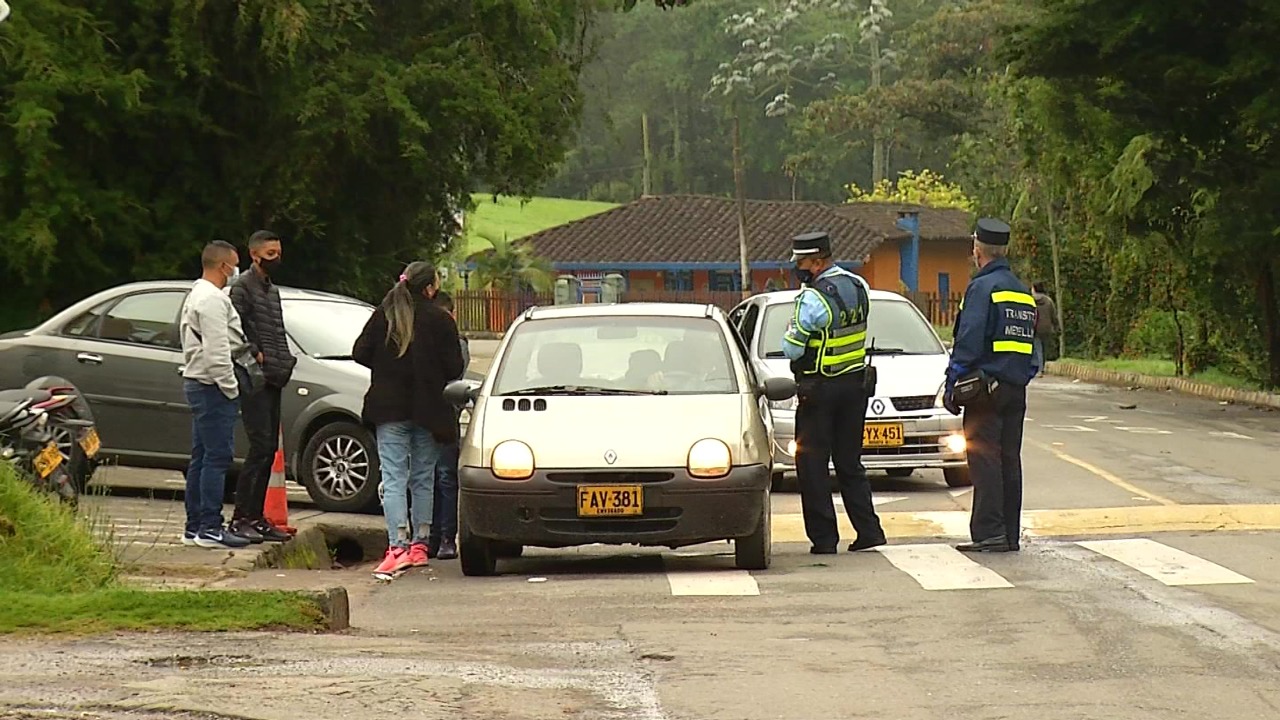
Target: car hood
{"x": 642, "y": 431}
{"x": 896, "y": 375}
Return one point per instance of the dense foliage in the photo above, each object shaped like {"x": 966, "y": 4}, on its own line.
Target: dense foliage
{"x": 135, "y": 131}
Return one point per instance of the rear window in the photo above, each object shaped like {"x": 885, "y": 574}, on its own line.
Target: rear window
{"x": 684, "y": 356}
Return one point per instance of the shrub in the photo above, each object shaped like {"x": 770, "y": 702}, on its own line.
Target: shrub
{"x": 1154, "y": 334}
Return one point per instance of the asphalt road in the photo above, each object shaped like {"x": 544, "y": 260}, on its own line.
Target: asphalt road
{"x": 1148, "y": 588}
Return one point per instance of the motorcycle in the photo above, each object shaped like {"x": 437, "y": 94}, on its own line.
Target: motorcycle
{"x": 73, "y": 427}
{"x": 27, "y": 440}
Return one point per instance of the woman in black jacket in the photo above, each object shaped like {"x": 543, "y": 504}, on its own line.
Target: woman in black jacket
{"x": 412, "y": 348}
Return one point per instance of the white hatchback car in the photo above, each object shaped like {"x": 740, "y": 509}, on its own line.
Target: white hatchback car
{"x": 640, "y": 423}
{"x": 907, "y": 428}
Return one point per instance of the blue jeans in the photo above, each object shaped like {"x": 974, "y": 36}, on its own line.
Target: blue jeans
{"x": 213, "y": 440}
{"x": 407, "y": 454}
{"x": 444, "y": 524}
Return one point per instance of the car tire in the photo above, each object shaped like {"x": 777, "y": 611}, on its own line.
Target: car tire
{"x": 478, "y": 556}
{"x": 899, "y": 472}
{"x": 755, "y": 551}
{"x": 354, "y": 446}
{"x": 957, "y": 476}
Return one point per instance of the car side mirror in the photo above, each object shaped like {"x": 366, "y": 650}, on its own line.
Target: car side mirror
{"x": 461, "y": 392}
{"x": 777, "y": 389}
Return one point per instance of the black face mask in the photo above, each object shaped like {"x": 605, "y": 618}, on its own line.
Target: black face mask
{"x": 803, "y": 276}
{"x": 269, "y": 265}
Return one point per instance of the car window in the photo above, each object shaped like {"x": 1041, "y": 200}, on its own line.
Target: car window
{"x": 325, "y": 328}
{"x": 87, "y": 322}
{"x": 147, "y": 318}
{"x": 677, "y": 355}
{"x": 891, "y": 324}
{"x": 749, "y": 322}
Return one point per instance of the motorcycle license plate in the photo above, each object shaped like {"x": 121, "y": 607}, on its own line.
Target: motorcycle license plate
{"x": 90, "y": 443}
{"x": 48, "y": 460}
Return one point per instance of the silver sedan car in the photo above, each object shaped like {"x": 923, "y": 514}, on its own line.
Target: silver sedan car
{"x": 906, "y": 428}
{"x": 638, "y": 423}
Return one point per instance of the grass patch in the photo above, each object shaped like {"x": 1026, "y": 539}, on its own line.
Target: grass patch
{"x": 1164, "y": 368}
{"x": 944, "y": 332}
{"x": 56, "y": 577}
{"x": 509, "y": 216}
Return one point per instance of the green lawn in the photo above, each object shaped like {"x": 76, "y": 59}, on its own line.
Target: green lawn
{"x": 515, "y": 219}
{"x": 55, "y": 577}
{"x": 1164, "y": 368}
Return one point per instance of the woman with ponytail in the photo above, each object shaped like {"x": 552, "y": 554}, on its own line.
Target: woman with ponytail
{"x": 411, "y": 347}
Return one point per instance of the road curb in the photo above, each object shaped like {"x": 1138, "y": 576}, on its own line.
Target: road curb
{"x": 1185, "y": 386}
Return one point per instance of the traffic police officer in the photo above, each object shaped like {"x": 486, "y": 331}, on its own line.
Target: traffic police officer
{"x": 993, "y": 353}
{"x": 825, "y": 341}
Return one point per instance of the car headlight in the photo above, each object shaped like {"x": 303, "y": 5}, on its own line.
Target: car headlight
{"x": 788, "y": 404}
{"x": 955, "y": 443}
{"x": 709, "y": 458}
{"x": 512, "y": 460}
{"x": 942, "y": 391}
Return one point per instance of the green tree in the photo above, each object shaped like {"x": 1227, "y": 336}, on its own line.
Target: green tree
{"x": 510, "y": 265}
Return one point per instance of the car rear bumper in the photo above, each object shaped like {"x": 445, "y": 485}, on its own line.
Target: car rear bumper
{"x": 678, "y": 510}
{"x": 930, "y": 442}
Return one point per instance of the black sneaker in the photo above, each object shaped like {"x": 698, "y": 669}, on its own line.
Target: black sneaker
{"x": 245, "y": 529}
{"x": 271, "y": 533}
{"x": 220, "y": 538}
{"x": 448, "y": 550}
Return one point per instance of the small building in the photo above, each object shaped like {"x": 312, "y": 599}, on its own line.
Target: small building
{"x": 689, "y": 243}
{"x": 946, "y": 246}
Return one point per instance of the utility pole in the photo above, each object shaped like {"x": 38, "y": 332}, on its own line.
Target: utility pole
{"x": 647, "y": 182}
{"x": 743, "y": 267}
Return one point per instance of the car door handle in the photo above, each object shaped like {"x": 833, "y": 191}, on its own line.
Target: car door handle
{"x": 89, "y": 358}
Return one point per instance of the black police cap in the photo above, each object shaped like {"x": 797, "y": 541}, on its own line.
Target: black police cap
{"x": 810, "y": 243}
{"x": 992, "y": 232}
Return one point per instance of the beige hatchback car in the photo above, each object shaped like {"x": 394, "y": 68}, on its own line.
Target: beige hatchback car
{"x": 638, "y": 423}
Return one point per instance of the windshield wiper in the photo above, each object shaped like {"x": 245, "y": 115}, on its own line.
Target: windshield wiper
{"x": 333, "y": 357}
{"x": 886, "y": 351}
{"x": 580, "y": 390}
{"x": 775, "y": 354}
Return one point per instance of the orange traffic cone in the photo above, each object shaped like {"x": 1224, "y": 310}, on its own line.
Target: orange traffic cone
{"x": 276, "y": 509}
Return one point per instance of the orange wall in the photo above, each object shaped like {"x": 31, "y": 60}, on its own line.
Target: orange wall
{"x": 884, "y": 272}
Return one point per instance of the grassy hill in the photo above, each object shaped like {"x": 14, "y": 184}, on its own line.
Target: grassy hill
{"x": 510, "y": 216}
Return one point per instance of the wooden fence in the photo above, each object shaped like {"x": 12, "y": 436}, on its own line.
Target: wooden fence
{"x": 941, "y": 310}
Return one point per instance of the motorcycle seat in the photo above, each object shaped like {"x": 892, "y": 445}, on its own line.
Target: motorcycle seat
{"x": 18, "y": 395}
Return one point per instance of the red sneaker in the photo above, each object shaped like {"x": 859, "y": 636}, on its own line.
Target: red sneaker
{"x": 418, "y": 555}
{"x": 397, "y": 559}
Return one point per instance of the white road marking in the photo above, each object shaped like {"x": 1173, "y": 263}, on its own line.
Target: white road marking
{"x": 954, "y": 523}
{"x": 942, "y": 567}
{"x": 961, "y": 491}
{"x": 1096, "y": 418}
{"x": 1170, "y": 566}
{"x": 724, "y": 582}
{"x": 876, "y": 500}
{"x": 1144, "y": 430}
{"x": 1229, "y": 434}
{"x": 1071, "y": 428}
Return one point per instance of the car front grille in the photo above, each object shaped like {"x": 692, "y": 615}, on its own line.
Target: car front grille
{"x": 913, "y": 402}
{"x": 915, "y": 445}
{"x": 604, "y": 477}
{"x": 654, "y": 520}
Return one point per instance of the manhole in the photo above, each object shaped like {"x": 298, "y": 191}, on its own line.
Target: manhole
{"x": 347, "y": 552}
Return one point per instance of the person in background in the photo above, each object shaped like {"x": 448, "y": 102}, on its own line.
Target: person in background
{"x": 211, "y": 338}
{"x": 444, "y": 524}
{"x": 257, "y": 299}
{"x": 1047, "y": 328}
{"x": 411, "y": 347}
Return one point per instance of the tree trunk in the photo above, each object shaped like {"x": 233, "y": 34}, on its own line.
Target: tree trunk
{"x": 1057, "y": 275}
{"x": 743, "y": 266}
{"x": 646, "y": 182}
{"x": 877, "y": 142}
{"x": 1266, "y": 288}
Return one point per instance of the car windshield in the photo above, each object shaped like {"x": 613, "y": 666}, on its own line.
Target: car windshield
{"x": 325, "y": 328}
{"x": 894, "y": 325}
{"x": 617, "y": 355}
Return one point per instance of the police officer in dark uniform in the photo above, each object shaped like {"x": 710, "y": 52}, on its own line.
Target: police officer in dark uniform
{"x": 825, "y": 341}
{"x": 991, "y": 364}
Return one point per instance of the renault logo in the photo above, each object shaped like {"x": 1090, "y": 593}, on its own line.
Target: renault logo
{"x": 610, "y": 457}
{"x": 877, "y": 406}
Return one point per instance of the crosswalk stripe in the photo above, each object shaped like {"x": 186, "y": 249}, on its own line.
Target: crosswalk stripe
{"x": 942, "y": 567}
{"x": 1170, "y": 566}
{"x": 724, "y": 582}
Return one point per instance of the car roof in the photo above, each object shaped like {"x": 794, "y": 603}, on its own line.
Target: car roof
{"x": 286, "y": 292}
{"x": 633, "y": 309}
{"x": 789, "y": 296}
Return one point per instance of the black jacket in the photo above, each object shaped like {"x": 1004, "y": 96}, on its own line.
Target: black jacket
{"x": 412, "y": 387}
{"x": 257, "y": 299}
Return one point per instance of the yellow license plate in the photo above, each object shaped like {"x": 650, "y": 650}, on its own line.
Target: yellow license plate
{"x": 90, "y": 443}
{"x": 609, "y": 500}
{"x": 48, "y": 460}
{"x": 882, "y": 435}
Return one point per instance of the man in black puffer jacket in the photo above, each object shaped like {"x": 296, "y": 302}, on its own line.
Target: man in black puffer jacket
{"x": 257, "y": 299}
